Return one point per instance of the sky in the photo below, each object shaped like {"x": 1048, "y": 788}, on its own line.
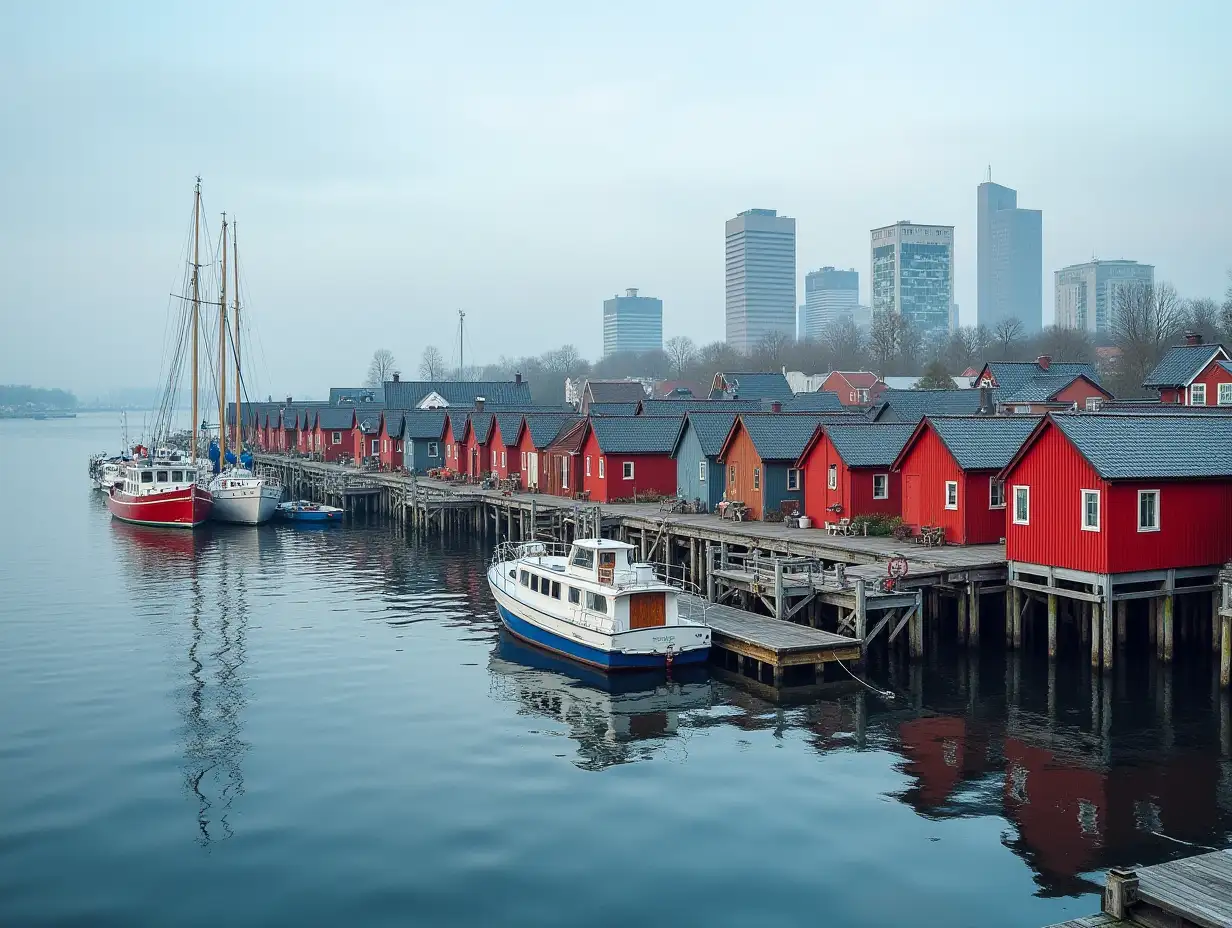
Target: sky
{"x": 391, "y": 163}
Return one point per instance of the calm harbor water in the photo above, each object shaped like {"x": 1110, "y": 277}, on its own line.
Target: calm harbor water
{"x": 280, "y": 725}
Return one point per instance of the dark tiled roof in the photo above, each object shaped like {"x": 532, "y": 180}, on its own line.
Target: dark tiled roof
{"x": 356, "y": 396}
{"x": 1156, "y": 408}
{"x": 913, "y": 405}
{"x": 755, "y": 385}
{"x": 782, "y": 436}
{"x": 677, "y": 407}
{"x": 1039, "y": 389}
{"x": 457, "y": 423}
{"x": 1151, "y": 447}
{"x": 481, "y": 422}
{"x": 711, "y": 429}
{"x": 423, "y": 423}
{"x": 983, "y": 442}
{"x": 635, "y": 434}
{"x": 336, "y": 418}
{"x": 545, "y": 426}
{"x": 570, "y": 439}
{"x": 370, "y": 424}
{"x": 869, "y": 444}
{"x": 408, "y": 394}
{"x": 615, "y": 391}
{"x": 1011, "y": 374}
{"x": 509, "y": 423}
{"x": 612, "y": 409}
{"x": 1180, "y": 364}
{"x": 821, "y": 401}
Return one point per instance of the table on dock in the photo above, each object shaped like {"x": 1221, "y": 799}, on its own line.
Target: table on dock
{"x": 1191, "y": 891}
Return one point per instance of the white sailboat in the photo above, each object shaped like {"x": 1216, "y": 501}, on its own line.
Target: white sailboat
{"x": 240, "y": 496}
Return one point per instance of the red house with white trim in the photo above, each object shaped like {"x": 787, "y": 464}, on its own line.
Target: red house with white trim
{"x": 853, "y": 388}
{"x": 950, "y": 468}
{"x": 625, "y": 457}
{"x": 535, "y": 436}
{"x": 1193, "y": 374}
{"x": 848, "y": 470}
{"x": 333, "y": 432}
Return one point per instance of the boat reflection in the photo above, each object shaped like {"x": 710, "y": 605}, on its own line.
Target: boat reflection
{"x": 614, "y": 719}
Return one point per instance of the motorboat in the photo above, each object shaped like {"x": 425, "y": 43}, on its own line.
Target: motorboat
{"x": 302, "y": 510}
{"x": 242, "y": 496}
{"x": 160, "y": 492}
{"x": 594, "y": 604}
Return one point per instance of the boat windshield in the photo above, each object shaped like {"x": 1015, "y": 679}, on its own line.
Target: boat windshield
{"x": 583, "y": 557}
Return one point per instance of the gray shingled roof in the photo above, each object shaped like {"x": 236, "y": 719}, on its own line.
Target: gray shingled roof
{"x": 615, "y": 391}
{"x": 913, "y": 405}
{"x": 756, "y": 385}
{"x": 336, "y": 418}
{"x": 782, "y": 436}
{"x": 1012, "y": 374}
{"x": 1156, "y": 408}
{"x": 408, "y": 394}
{"x": 356, "y": 396}
{"x": 612, "y": 409}
{"x": 983, "y": 442}
{"x": 678, "y": 407}
{"x": 481, "y": 422}
{"x": 546, "y": 426}
{"x": 869, "y": 444}
{"x": 457, "y": 423}
{"x": 819, "y": 401}
{"x": 1038, "y": 389}
{"x": 1180, "y": 364}
{"x": 423, "y": 423}
{"x": 711, "y": 429}
{"x": 635, "y": 434}
{"x": 1124, "y": 447}
{"x": 509, "y": 423}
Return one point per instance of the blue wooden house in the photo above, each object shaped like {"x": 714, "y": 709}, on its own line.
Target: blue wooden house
{"x": 699, "y": 473}
{"x": 423, "y": 445}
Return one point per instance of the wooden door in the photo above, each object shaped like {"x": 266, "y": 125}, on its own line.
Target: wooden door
{"x": 912, "y": 512}
{"x": 607, "y": 566}
{"x": 647, "y": 610}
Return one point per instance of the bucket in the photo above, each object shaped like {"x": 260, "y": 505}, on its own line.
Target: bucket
{"x": 806, "y": 522}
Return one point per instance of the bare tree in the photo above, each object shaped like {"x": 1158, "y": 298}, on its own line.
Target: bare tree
{"x": 1203, "y": 317}
{"x": 883, "y": 338}
{"x": 680, "y": 352}
{"x": 431, "y": 364}
{"x": 1145, "y": 319}
{"x": 1007, "y": 334}
{"x": 846, "y": 345}
{"x": 382, "y": 366}
{"x": 773, "y": 347}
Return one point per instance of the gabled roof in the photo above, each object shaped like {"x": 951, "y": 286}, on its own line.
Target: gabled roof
{"x": 1148, "y": 447}
{"x": 481, "y": 424}
{"x": 612, "y": 409}
{"x": 614, "y": 391}
{"x": 1156, "y": 408}
{"x": 369, "y": 422}
{"x": 857, "y": 380}
{"x": 1011, "y": 374}
{"x": 778, "y": 436}
{"x": 711, "y": 429}
{"x": 571, "y": 439}
{"x": 510, "y": 425}
{"x": 913, "y": 405}
{"x": 635, "y": 434}
{"x": 1043, "y": 388}
{"x": 975, "y": 442}
{"x": 335, "y": 418}
{"x": 544, "y": 427}
{"x": 668, "y": 406}
{"x": 751, "y": 385}
{"x": 865, "y": 444}
{"x": 356, "y": 396}
{"x": 408, "y": 394}
{"x": 821, "y": 401}
{"x": 459, "y": 419}
{"x": 1181, "y": 364}
{"x": 422, "y": 424}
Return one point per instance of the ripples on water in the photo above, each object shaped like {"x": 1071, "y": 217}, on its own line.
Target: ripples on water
{"x": 326, "y": 727}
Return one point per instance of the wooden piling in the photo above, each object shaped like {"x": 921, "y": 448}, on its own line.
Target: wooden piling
{"x": 1052, "y": 625}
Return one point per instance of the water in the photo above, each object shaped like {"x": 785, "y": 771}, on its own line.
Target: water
{"x": 324, "y": 727}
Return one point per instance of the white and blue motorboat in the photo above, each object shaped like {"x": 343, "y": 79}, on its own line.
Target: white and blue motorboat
{"x": 594, "y": 604}
{"x": 304, "y": 511}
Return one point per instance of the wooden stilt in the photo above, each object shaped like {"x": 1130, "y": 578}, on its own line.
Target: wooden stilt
{"x": 973, "y": 616}
{"x": 1169, "y": 601}
{"x": 1052, "y": 625}
{"x": 1122, "y": 618}
{"x": 1096, "y": 628}
{"x": 1106, "y": 634}
{"x": 1225, "y": 650}
{"x": 962, "y": 619}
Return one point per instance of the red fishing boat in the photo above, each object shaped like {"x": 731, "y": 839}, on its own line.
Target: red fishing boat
{"x": 158, "y": 491}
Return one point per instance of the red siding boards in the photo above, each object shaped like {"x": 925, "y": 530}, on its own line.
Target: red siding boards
{"x": 853, "y": 495}
{"x": 391, "y": 447}
{"x": 1210, "y": 377}
{"x": 603, "y": 475}
{"x": 926, "y": 466}
{"x": 529, "y": 460}
{"x": 1080, "y": 391}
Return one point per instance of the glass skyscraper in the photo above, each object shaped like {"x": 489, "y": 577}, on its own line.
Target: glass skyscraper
{"x": 632, "y": 323}
{"x": 1086, "y": 294}
{"x": 1010, "y": 260}
{"x": 761, "y": 277}
{"x": 913, "y": 273}
{"x": 829, "y": 295}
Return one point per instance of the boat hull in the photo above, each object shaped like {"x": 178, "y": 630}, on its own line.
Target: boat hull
{"x": 246, "y": 506}
{"x": 187, "y": 507}
{"x": 621, "y": 651}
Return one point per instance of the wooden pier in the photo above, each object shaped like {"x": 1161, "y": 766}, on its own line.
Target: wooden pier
{"x": 1194, "y": 891}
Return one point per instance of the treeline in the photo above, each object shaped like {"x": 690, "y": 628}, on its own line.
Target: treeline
{"x": 22, "y": 396}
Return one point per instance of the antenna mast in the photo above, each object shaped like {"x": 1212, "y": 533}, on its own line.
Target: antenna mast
{"x": 461, "y": 348}
{"x": 196, "y": 305}
{"x": 235, "y": 265}
{"x": 222, "y": 356}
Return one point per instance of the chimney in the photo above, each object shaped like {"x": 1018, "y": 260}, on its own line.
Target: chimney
{"x": 776, "y": 406}
{"x": 1044, "y": 361}
{"x": 986, "y": 407}
{"x": 397, "y": 376}
{"x": 479, "y": 401}
{"x": 1193, "y": 338}
{"x": 517, "y": 378}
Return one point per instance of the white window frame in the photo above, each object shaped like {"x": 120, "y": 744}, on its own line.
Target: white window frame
{"x": 588, "y": 465}
{"x": 523, "y": 460}
{"x": 757, "y": 479}
{"x": 1026, "y": 494}
{"x": 601, "y": 468}
{"x": 1224, "y": 398}
{"x": 627, "y": 470}
{"x": 993, "y": 483}
{"x": 504, "y": 459}
{"x": 434, "y": 449}
{"x": 832, "y": 477}
{"x": 493, "y": 453}
{"x": 948, "y": 485}
{"x": 1194, "y": 388}
{"x": 335, "y": 438}
{"x": 885, "y": 486}
{"x": 376, "y": 446}
{"x": 701, "y": 471}
{"x": 1084, "y": 496}
{"x": 1094, "y": 402}
{"x": 793, "y": 478}
{"x": 1151, "y": 528}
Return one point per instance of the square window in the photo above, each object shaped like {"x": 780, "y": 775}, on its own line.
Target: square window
{"x": 756, "y": 478}
{"x": 996, "y": 494}
{"x": 1225, "y": 394}
{"x": 793, "y": 479}
{"x": 433, "y": 449}
{"x": 1093, "y": 404}
{"x": 596, "y": 602}
{"x": 1090, "y": 510}
{"x": 575, "y": 595}
{"x": 881, "y": 486}
{"x": 701, "y": 471}
{"x": 1022, "y": 505}
{"x": 832, "y": 477}
{"x": 1197, "y": 394}
{"x": 951, "y": 494}
{"x": 336, "y": 438}
{"x": 1148, "y": 510}
{"x": 628, "y": 470}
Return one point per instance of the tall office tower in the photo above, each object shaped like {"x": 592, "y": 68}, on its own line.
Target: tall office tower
{"x": 632, "y": 323}
{"x": 1086, "y": 294}
{"x": 1010, "y": 263}
{"x": 829, "y": 296}
{"x": 913, "y": 273}
{"x": 761, "y": 277}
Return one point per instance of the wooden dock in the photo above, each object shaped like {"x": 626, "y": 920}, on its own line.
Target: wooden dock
{"x": 1194, "y": 891}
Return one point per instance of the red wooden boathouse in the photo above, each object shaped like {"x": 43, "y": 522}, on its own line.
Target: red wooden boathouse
{"x": 625, "y": 457}
{"x": 848, "y": 470}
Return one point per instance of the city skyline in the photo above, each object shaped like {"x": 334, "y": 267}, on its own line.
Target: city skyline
{"x": 760, "y": 278}
{"x": 632, "y": 323}
{"x": 1009, "y": 260}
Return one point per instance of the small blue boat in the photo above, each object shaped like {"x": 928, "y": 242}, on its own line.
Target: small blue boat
{"x": 304, "y": 511}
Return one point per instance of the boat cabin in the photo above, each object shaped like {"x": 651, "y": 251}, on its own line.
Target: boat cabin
{"x": 161, "y": 476}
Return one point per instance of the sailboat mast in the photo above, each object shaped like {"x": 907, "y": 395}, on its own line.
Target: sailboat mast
{"x": 461, "y": 349}
{"x": 235, "y": 323}
{"x": 222, "y": 355}
{"x": 196, "y": 309}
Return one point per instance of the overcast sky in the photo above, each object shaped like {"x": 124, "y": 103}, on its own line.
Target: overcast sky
{"x": 389, "y": 165}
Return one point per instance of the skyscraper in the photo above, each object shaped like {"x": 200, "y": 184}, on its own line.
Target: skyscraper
{"x": 632, "y": 323}
{"x": 829, "y": 295}
{"x": 1010, "y": 262}
{"x": 761, "y": 277}
{"x": 913, "y": 273}
{"x": 1086, "y": 294}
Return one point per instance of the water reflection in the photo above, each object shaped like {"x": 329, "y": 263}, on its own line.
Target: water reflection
{"x": 614, "y": 719}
